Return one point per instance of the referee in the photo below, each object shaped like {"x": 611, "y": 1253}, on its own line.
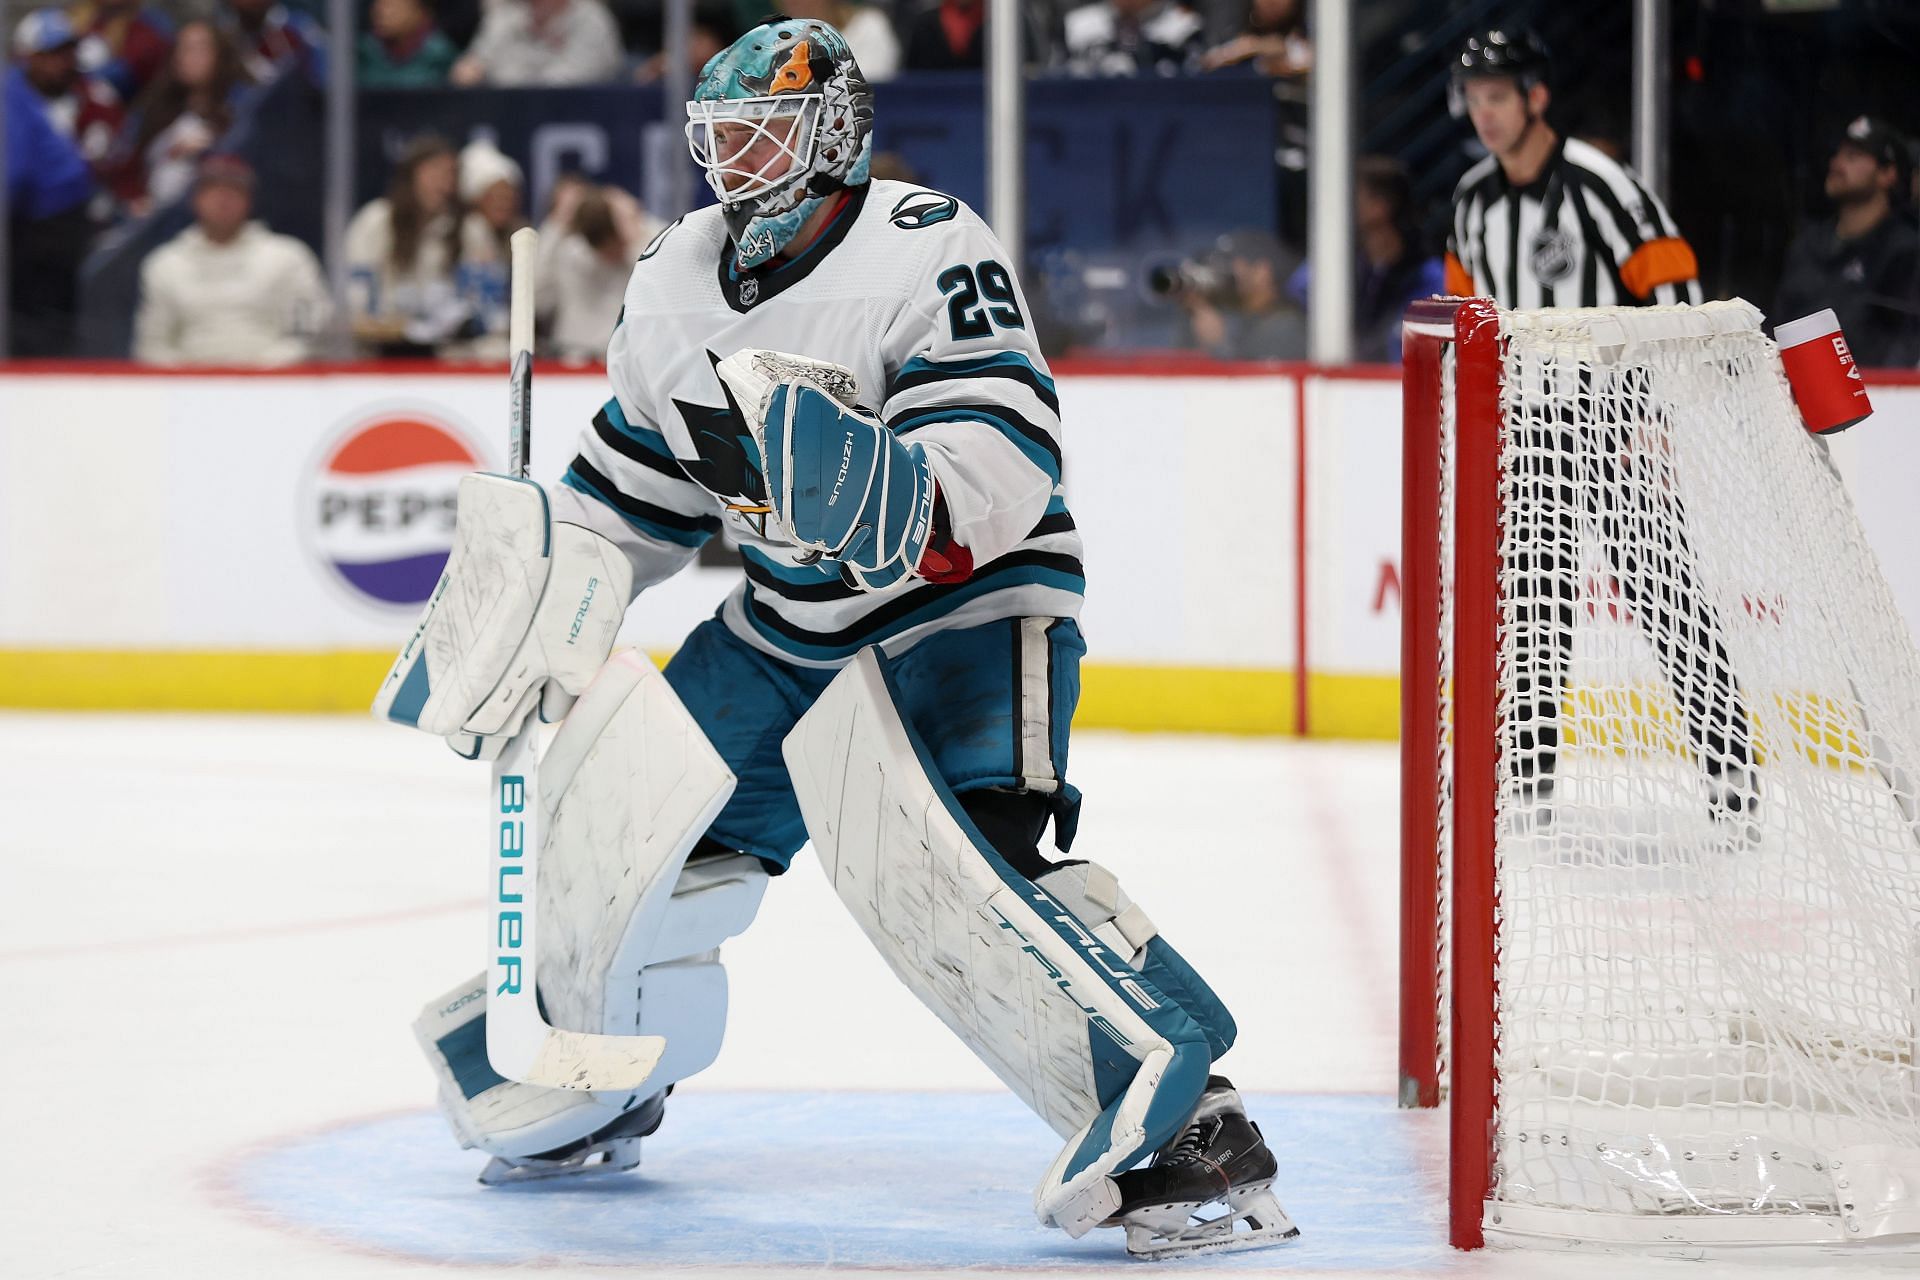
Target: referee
{"x": 1550, "y": 222}
{"x": 1546, "y": 221}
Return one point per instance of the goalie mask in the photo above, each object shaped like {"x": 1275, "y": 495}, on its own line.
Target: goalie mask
{"x": 781, "y": 119}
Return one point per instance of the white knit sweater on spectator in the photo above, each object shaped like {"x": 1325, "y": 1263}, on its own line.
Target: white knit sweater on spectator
{"x": 585, "y": 295}
{"x": 426, "y": 295}
{"x": 259, "y": 299}
{"x": 581, "y": 292}
{"x": 874, "y": 45}
{"x": 580, "y": 44}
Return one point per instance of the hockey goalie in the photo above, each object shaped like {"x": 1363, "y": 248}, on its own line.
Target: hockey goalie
{"x": 840, "y": 374}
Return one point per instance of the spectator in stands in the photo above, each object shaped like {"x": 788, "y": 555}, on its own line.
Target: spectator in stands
{"x": 1236, "y": 306}
{"x": 402, "y": 251}
{"x": 543, "y": 42}
{"x": 270, "y": 35}
{"x": 492, "y": 189}
{"x": 869, "y": 34}
{"x": 949, "y": 35}
{"x": 707, "y": 36}
{"x": 403, "y": 48}
{"x": 1391, "y": 268}
{"x": 83, "y": 109}
{"x": 1273, "y": 39}
{"x": 1132, "y": 37}
{"x": 587, "y": 248}
{"x": 227, "y": 291}
{"x": 48, "y": 227}
{"x": 122, "y": 42}
{"x": 1863, "y": 260}
{"x": 182, "y": 114}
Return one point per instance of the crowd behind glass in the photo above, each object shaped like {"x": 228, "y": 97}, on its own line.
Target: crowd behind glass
{"x": 116, "y": 111}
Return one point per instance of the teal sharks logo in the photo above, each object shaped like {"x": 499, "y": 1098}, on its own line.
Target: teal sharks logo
{"x": 923, "y": 209}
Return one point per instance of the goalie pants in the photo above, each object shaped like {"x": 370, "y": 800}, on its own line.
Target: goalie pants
{"x": 992, "y": 703}
{"x": 1603, "y": 478}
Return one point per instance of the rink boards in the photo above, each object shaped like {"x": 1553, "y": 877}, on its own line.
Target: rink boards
{"x": 263, "y": 540}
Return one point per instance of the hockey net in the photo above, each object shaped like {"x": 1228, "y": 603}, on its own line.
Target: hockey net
{"x": 1661, "y": 844}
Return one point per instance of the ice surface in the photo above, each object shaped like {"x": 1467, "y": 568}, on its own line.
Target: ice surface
{"x": 217, "y": 930}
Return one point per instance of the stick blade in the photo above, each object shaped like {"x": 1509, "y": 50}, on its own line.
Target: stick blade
{"x": 581, "y": 1060}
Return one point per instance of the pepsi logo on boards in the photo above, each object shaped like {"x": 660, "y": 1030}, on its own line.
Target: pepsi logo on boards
{"x": 381, "y": 507}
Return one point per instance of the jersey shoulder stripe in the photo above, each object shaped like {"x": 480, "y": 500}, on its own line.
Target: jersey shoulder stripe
{"x": 921, "y": 371}
{"x": 1038, "y": 446}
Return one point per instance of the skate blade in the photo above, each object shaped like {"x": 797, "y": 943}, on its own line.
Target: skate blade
{"x": 1170, "y": 1231}
{"x": 621, "y": 1155}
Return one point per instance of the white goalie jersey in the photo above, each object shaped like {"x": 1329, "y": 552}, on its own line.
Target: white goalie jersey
{"x": 910, "y": 290}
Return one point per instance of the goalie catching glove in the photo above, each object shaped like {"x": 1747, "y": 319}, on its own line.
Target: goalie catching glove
{"x": 523, "y": 617}
{"x": 839, "y": 483}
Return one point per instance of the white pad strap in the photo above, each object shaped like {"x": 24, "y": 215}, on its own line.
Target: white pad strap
{"x": 1093, "y": 893}
{"x": 523, "y": 601}
{"x": 1052, "y": 1009}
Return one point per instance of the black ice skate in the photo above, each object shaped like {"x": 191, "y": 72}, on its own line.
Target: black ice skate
{"x": 1215, "y": 1175}
{"x": 612, "y": 1148}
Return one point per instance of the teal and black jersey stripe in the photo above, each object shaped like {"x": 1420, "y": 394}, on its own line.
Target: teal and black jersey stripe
{"x": 1002, "y": 391}
{"x": 895, "y": 614}
{"x": 632, "y": 469}
{"x": 649, "y": 518}
{"x": 920, "y": 372}
{"x": 643, "y": 448}
{"x": 822, "y": 582}
{"x": 1041, "y": 447}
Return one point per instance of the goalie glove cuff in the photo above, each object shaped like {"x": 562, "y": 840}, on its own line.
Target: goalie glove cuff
{"x": 944, "y": 560}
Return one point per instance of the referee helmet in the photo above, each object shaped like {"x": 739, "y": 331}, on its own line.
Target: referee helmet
{"x": 1518, "y": 55}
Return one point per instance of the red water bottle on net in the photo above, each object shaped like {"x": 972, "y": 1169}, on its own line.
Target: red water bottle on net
{"x": 1820, "y": 368}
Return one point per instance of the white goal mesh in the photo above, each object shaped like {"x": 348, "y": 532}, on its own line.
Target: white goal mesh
{"x": 1707, "y": 851}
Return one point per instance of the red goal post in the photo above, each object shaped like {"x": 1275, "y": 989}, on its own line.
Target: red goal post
{"x": 1470, "y": 329}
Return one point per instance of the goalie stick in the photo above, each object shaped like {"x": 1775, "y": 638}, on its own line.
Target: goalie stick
{"x": 520, "y": 1043}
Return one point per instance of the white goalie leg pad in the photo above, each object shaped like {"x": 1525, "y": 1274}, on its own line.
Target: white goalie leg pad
{"x": 627, "y": 931}
{"x": 1052, "y": 1008}
{"x": 523, "y": 602}
{"x": 681, "y": 994}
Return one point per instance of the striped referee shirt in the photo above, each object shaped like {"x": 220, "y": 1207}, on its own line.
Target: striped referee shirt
{"x": 1585, "y": 233}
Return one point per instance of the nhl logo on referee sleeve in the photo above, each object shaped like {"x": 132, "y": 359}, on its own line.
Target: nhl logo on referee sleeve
{"x": 923, "y": 209}
{"x": 1551, "y": 255}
